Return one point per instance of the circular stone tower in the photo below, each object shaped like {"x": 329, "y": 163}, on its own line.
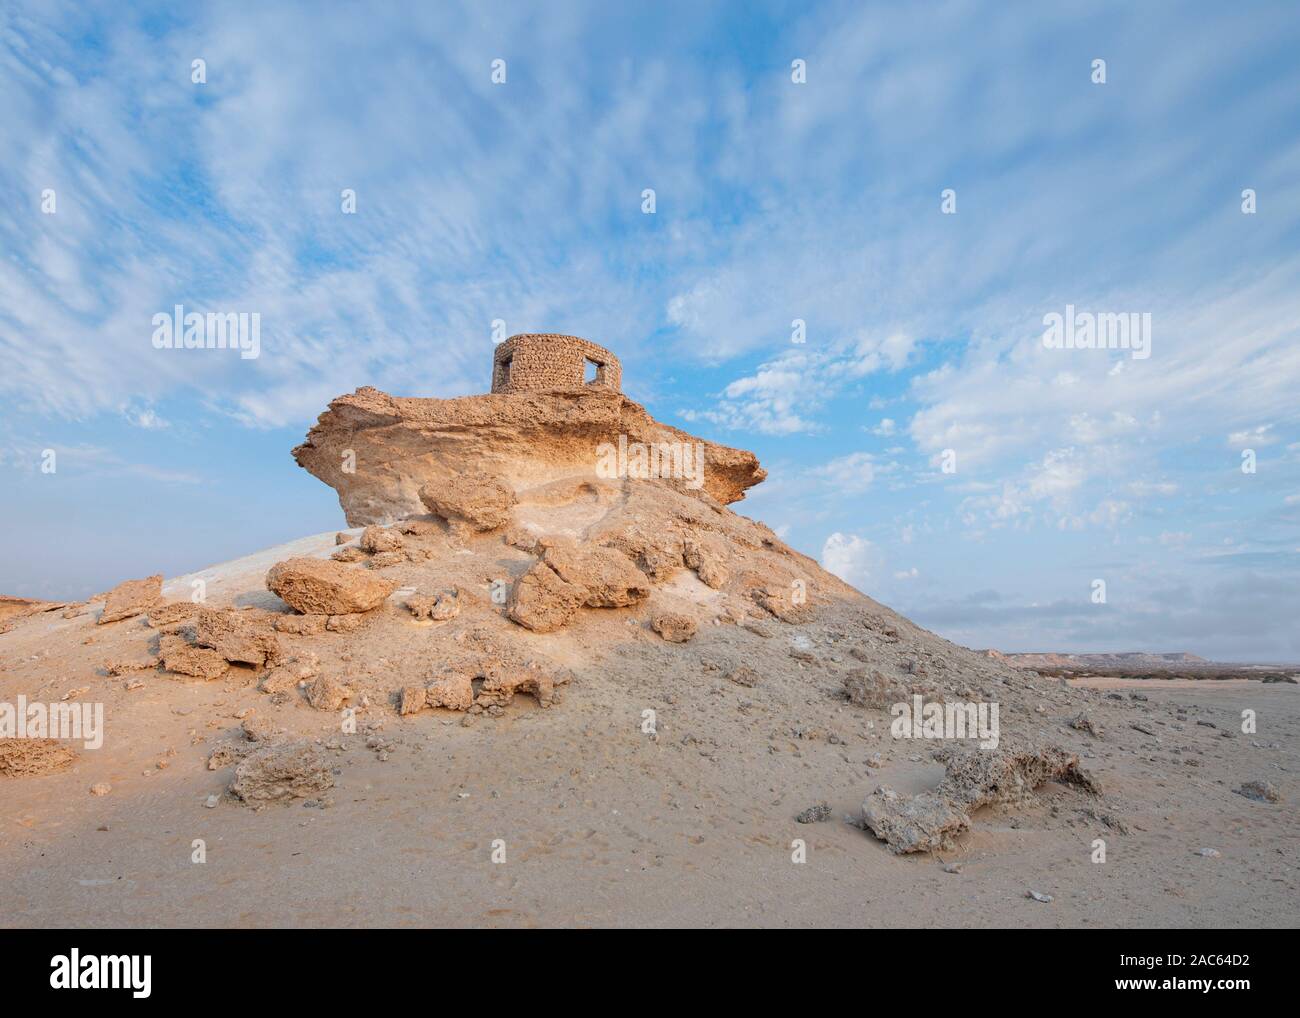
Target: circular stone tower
{"x": 536, "y": 361}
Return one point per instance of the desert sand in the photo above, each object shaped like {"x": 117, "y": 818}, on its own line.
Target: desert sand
{"x": 517, "y": 693}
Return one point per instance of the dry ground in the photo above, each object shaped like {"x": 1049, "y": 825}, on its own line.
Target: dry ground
{"x": 605, "y": 825}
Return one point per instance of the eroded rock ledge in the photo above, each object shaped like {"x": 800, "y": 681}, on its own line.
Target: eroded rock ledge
{"x": 377, "y": 451}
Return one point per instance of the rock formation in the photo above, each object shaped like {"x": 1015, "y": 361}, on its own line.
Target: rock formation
{"x": 536, "y": 543}
{"x": 380, "y": 451}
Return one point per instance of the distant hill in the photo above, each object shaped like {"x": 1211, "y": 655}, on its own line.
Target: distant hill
{"x": 1126, "y": 660}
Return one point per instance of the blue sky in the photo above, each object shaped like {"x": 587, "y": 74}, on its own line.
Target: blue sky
{"x": 775, "y": 201}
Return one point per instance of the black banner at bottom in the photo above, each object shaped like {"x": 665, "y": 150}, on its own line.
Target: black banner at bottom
{"x": 338, "y": 966}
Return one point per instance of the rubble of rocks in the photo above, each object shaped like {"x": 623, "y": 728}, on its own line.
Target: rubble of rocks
{"x": 499, "y": 683}
{"x": 974, "y": 778}
{"x": 287, "y": 676}
{"x": 1260, "y": 791}
{"x": 375, "y": 540}
{"x": 434, "y": 607}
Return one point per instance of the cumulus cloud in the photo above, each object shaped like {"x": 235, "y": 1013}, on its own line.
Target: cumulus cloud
{"x": 850, "y": 557}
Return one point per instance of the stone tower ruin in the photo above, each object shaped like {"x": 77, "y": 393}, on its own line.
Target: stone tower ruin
{"x": 536, "y": 361}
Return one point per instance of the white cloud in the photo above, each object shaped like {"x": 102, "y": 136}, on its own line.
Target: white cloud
{"x": 84, "y": 459}
{"x": 1110, "y": 512}
{"x": 1252, "y": 437}
{"x": 146, "y": 418}
{"x": 1059, "y": 474}
{"x": 850, "y": 557}
{"x": 851, "y": 474}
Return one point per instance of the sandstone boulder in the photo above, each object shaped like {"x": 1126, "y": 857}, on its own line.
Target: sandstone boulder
{"x": 328, "y": 694}
{"x": 543, "y": 602}
{"x": 321, "y": 587}
{"x": 475, "y": 498}
{"x": 170, "y": 613}
{"x": 867, "y": 687}
{"x": 673, "y": 627}
{"x": 706, "y": 554}
{"x": 377, "y": 539}
{"x": 453, "y": 690}
{"x": 784, "y": 603}
{"x": 237, "y": 637}
{"x": 502, "y": 683}
{"x": 179, "y": 656}
{"x": 279, "y": 773}
{"x": 258, "y": 729}
{"x": 434, "y": 607}
{"x": 918, "y": 823}
{"x": 285, "y": 677}
{"x": 412, "y": 700}
{"x": 607, "y": 575}
{"x": 658, "y": 555}
{"x": 131, "y": 598}
{"x": 973, "y": 777}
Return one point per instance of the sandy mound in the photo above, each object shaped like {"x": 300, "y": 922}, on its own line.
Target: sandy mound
{"x": 618, "y": 674}
{"x": 511, "y": 565}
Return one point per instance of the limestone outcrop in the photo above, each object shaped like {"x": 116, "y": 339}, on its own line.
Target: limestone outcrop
{"x": 378, "y": 451}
